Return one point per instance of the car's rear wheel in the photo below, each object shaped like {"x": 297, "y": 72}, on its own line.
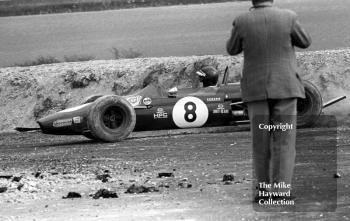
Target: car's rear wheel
{"x": 310, "y": 108}
{"x": 111, "y": 119}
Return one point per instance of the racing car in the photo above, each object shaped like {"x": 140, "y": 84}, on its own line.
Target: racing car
{"x": 111, "y": 118}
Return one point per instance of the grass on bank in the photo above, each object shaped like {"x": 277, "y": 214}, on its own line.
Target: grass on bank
{"x": 38, "y": 61}
{"x": 117, "y": 54}
{"x": 30, "y": 7}
{"x": 125, "y": 53}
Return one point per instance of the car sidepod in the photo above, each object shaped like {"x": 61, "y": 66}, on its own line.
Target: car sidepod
{"x": 183, "y": 112}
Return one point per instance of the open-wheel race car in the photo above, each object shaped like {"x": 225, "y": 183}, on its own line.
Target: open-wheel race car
{"x": 112, "y": 118}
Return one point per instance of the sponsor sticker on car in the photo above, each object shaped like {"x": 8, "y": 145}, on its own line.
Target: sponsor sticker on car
{"x": 77, "y": 120}
{"x": 147, "y": 101}
{"x": 134, "y": 100}
{"x": 213, "y": 99}
{"x": 220, "y": 110}
{"x": 62, "y": 123}
{"x": 160, "y": 114}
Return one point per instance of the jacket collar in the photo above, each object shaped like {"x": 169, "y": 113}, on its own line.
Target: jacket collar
{"x": 263, "y": 5}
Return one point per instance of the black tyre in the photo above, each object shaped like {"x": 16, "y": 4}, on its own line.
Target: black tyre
{"x": 91, "y": 99}
{"x": 89, "y": 135}
{"x": 111, "y": 118}
{"x": 310, "y": 108}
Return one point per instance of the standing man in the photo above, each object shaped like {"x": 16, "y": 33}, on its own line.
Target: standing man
{"x": 270, "y": 86}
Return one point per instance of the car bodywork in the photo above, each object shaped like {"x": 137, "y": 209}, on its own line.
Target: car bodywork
{"x": 209, "y": 106}
{"x": 153, "y": 108}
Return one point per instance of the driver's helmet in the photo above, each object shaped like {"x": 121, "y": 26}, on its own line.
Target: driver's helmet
{"x": 208, "y": 75}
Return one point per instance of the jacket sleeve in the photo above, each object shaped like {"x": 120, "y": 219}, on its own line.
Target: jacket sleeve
{"x": 234, "y": 44}
{"x": 300, "y": 38}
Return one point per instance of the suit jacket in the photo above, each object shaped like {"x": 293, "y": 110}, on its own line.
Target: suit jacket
{"x": 267, "y": 36}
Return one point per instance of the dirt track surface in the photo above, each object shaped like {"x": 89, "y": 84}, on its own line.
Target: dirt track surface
{"x": 71, "y": 164}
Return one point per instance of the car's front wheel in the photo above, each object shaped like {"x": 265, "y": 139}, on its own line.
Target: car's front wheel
{"x": 111, "y": 118}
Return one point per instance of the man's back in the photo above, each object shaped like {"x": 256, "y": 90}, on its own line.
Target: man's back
{"x": 270, "y": 86}
{"x": 267, "y": 35}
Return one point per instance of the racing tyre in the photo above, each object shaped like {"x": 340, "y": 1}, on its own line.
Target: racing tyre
{"x": 310, "y": 108}
{"x": 91, "y": 99}
{"x": 111, "y": 118}
{"x": 90, "y": 136}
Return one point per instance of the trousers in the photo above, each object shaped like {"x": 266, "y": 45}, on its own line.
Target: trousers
{"x": 273, "y": 130}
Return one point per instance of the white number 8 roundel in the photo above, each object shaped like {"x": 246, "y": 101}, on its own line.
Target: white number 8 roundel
{"x": 190, "y": 112}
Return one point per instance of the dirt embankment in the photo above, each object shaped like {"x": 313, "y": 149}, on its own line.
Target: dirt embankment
{"x": 29, "y": 93}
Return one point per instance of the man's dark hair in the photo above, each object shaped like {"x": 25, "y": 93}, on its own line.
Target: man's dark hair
{"x": 260, "y": 1}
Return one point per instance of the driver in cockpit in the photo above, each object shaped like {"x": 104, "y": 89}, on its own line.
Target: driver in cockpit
{"x": 208, "y": 76}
